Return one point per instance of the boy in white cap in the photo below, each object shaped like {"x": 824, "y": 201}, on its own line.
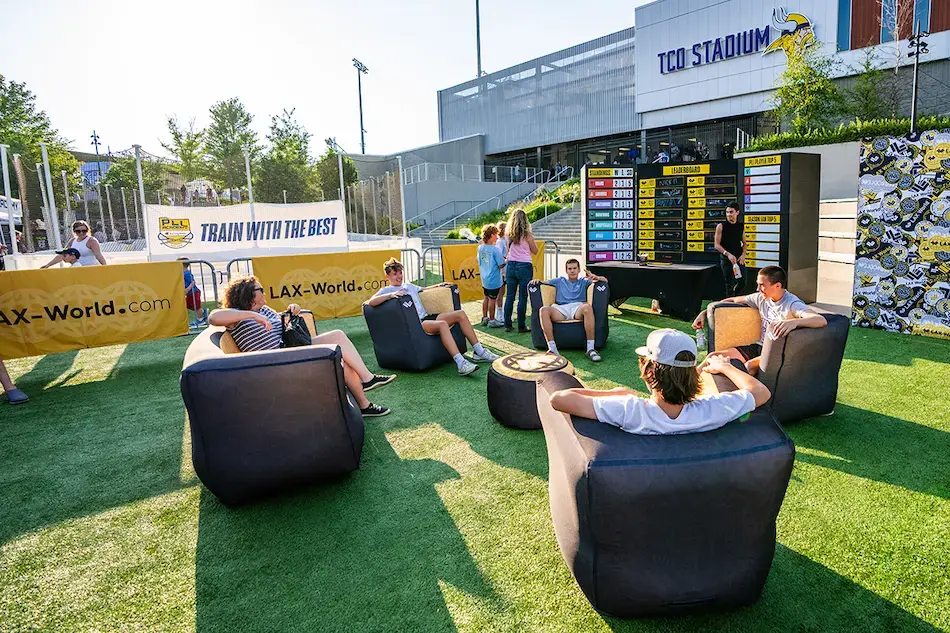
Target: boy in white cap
{"x": 668, "y": 367}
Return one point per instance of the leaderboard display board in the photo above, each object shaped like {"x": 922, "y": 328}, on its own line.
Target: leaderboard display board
{"x": 609, "y": 202}
{"x": 668, "y": 214}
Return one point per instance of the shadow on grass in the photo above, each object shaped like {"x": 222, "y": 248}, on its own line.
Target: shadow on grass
{"x": 878, "y": 447}
{"x": 365, "y": 553}
{"x": 800, "y": 595}
{"x": 80, "y": 449}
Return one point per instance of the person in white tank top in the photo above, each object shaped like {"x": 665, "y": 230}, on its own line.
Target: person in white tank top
{"x": 90, "y": 254}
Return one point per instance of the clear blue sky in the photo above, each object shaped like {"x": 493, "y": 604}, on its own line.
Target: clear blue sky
{"x": 122, "y": 66}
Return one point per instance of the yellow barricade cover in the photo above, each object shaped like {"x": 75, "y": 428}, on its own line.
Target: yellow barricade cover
{"x": 460, "y": 266}
{"x": 62, "y": 309}
{"x": 330, "y": 284}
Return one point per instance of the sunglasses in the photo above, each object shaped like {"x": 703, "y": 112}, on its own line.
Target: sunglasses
{"x": 80, "y": 230}
{"x": 259, "y": 289}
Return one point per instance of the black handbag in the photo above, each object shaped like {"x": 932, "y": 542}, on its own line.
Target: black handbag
{"x": 293, "y": 330}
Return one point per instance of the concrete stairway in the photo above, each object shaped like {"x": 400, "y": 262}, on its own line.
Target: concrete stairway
{"x": 564, "y": 227}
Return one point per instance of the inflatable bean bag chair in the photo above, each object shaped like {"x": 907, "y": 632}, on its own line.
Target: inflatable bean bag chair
{"x": 801, "y": 369}
{"x": 265, "y": 422}
{"x": 398, "y": 338}
{"x": 665, "y": 524}
{"x": 570, "y": 334}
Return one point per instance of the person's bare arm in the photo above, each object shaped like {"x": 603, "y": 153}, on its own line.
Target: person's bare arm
{"x": 379, "y": 299}
{"x": 809, "y": 318}
{"x": 226, "y": 317}
{"x": 97, "y": 251}
{"x": 532, "y": 245}
{"x": 53, "y": 261}
{"x": 573, "y": 402}
{"x": 742, "y": 380}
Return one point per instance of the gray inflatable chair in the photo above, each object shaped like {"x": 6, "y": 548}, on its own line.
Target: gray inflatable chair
{"x": 665, "y": 524}
{"x": 570, "y": 334}
{"x": 399, "y": 341}
{"x": 265, "y": 422}
{"x": 801, "y": 369}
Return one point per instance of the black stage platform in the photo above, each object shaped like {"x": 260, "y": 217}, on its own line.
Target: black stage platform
{"x": 678, "y": 287}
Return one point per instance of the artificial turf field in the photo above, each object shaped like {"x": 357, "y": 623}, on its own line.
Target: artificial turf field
{"x": 445, "y": 527}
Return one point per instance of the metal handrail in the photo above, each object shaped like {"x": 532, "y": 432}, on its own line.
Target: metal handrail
{"x": 423, "y": 172}
{"x": 434, "y": 209}
{"x": 454, "y": 221}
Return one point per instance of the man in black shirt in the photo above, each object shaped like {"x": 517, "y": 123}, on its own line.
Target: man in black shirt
{"x": 731, "y": 246}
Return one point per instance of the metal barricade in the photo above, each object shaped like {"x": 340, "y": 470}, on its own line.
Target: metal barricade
{"x": 552, "y": 264}
{"x": 205, "y": 277}
{"x": 432, "y": 266}
{"x": 412, "y": 262}
{"x": 246, "y": 269}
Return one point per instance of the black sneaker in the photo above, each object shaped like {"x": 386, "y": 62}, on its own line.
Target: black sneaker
{"x": 374, "y": 411}
{"x": 524, "y": 330}
{"x": 378, "y": 381}
{"x": 508, "y": 328}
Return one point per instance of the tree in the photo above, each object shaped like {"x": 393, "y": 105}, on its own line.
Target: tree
{"x": 226, "y": 138}
{"x": 187, "y": 146}
{"x": 122, "y": 173}
{"x": 286, "y": 166}
{"x": 23, "y": 127}
{"x": 328, "y": 172}
{"x": 807, "y": 97}
{"x": 873, "y": 93}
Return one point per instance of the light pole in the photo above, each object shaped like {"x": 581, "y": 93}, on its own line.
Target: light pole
{"x": 478, "y": 39}
{"x": 95, "y": 142}
{"x": 918, "y": 47}
{"x": 361, "y": 69}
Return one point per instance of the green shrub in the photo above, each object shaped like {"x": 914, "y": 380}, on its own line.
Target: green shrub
{"x": 845, "y": 132}
{"x": 536, "y": 212}
{"x": 453, "y": 235}
{"x": 492, "y": 217}
{"x": 412, "y": 226}
{"x": 568, "y": 192}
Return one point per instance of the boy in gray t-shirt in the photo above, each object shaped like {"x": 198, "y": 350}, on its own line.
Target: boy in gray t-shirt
{"x": 781, "y": 312}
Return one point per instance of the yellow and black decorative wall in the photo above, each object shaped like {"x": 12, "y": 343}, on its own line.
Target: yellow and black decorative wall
{"x": 902, "y": 260}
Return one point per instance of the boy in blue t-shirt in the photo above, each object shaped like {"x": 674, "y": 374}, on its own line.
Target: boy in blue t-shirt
{"x": 193, "y": 295}
{"x": 490, "y": 263}
{"x": 570, "y": 303}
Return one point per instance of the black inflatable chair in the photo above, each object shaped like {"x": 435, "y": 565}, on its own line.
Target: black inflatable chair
{"x": 398, "y": 338}
{"x": 570, "y": 334}
{"x": 665, "y": 524}
{"x": 801, "y": 369}
{"x": 265, "y": 422}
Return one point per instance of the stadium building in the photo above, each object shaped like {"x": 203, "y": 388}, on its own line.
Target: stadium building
{"x": 693, "y": 79}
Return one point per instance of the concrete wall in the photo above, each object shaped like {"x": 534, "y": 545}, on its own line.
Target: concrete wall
{"x": 839, "y": 168}
{"x": 468, "y": 150}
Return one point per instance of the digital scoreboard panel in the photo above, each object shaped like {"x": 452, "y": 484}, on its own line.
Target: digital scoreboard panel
{"x": 668, "y": 213}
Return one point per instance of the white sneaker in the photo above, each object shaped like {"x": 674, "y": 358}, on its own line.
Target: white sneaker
{"x": 495, "y": 323}
{"x": 486, "y": 357}
{"x": 467, "y": 368}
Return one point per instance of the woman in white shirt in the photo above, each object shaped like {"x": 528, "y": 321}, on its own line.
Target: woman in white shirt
{"x": 668, "y": 367}
{"x": 90, "y": 254}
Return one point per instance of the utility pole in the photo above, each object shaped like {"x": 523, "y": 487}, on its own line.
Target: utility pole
{"x": 95, "y": 142}
{"x": 918, "y": 47}
{"x": 361, "y": 69}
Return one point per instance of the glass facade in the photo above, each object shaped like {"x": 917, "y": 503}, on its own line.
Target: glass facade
{"x": 585, "y": 91}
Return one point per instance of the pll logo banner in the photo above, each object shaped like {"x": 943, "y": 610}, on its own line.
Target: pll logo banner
{"x": 902, "y": 259}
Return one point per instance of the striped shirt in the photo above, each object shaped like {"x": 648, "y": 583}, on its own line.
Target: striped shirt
{"x": 250, "y": 336}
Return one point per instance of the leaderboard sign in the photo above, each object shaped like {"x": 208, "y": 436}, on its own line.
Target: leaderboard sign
{"x": 609, "y": 201}
{"x": 668, "y": 213}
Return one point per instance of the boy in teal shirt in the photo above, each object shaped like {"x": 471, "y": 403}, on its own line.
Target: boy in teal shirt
{"x": 490, "y": 263}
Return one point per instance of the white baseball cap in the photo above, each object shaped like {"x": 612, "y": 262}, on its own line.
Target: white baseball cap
{"x": 663, "y": 346}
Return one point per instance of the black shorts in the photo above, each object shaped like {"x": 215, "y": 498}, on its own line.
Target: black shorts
{"x": 491, "y": 294}
{"x": 430, "y": 317}
{"x": 750, "y": 351}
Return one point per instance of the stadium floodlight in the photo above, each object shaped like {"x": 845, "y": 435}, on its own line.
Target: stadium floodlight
{"x": 361, "y": 69}
{"x": 918, "y": 47}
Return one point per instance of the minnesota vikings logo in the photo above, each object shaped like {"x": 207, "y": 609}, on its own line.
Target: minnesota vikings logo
{"x": 797, "y": 32}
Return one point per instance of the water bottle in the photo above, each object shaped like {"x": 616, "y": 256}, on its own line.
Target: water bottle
{"x": 700, "y": 340}
{"x": 736, "y": 271}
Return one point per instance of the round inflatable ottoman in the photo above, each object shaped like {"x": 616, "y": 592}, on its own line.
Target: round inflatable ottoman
{"x": 511, "y": 386}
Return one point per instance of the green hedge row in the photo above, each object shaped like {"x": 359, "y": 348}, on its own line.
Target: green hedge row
{"x": 845, "y": 132}
{"x": 545, "y": 202}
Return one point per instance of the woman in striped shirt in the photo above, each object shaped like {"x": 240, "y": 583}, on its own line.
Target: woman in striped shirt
{"x": 254, "y": 327}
